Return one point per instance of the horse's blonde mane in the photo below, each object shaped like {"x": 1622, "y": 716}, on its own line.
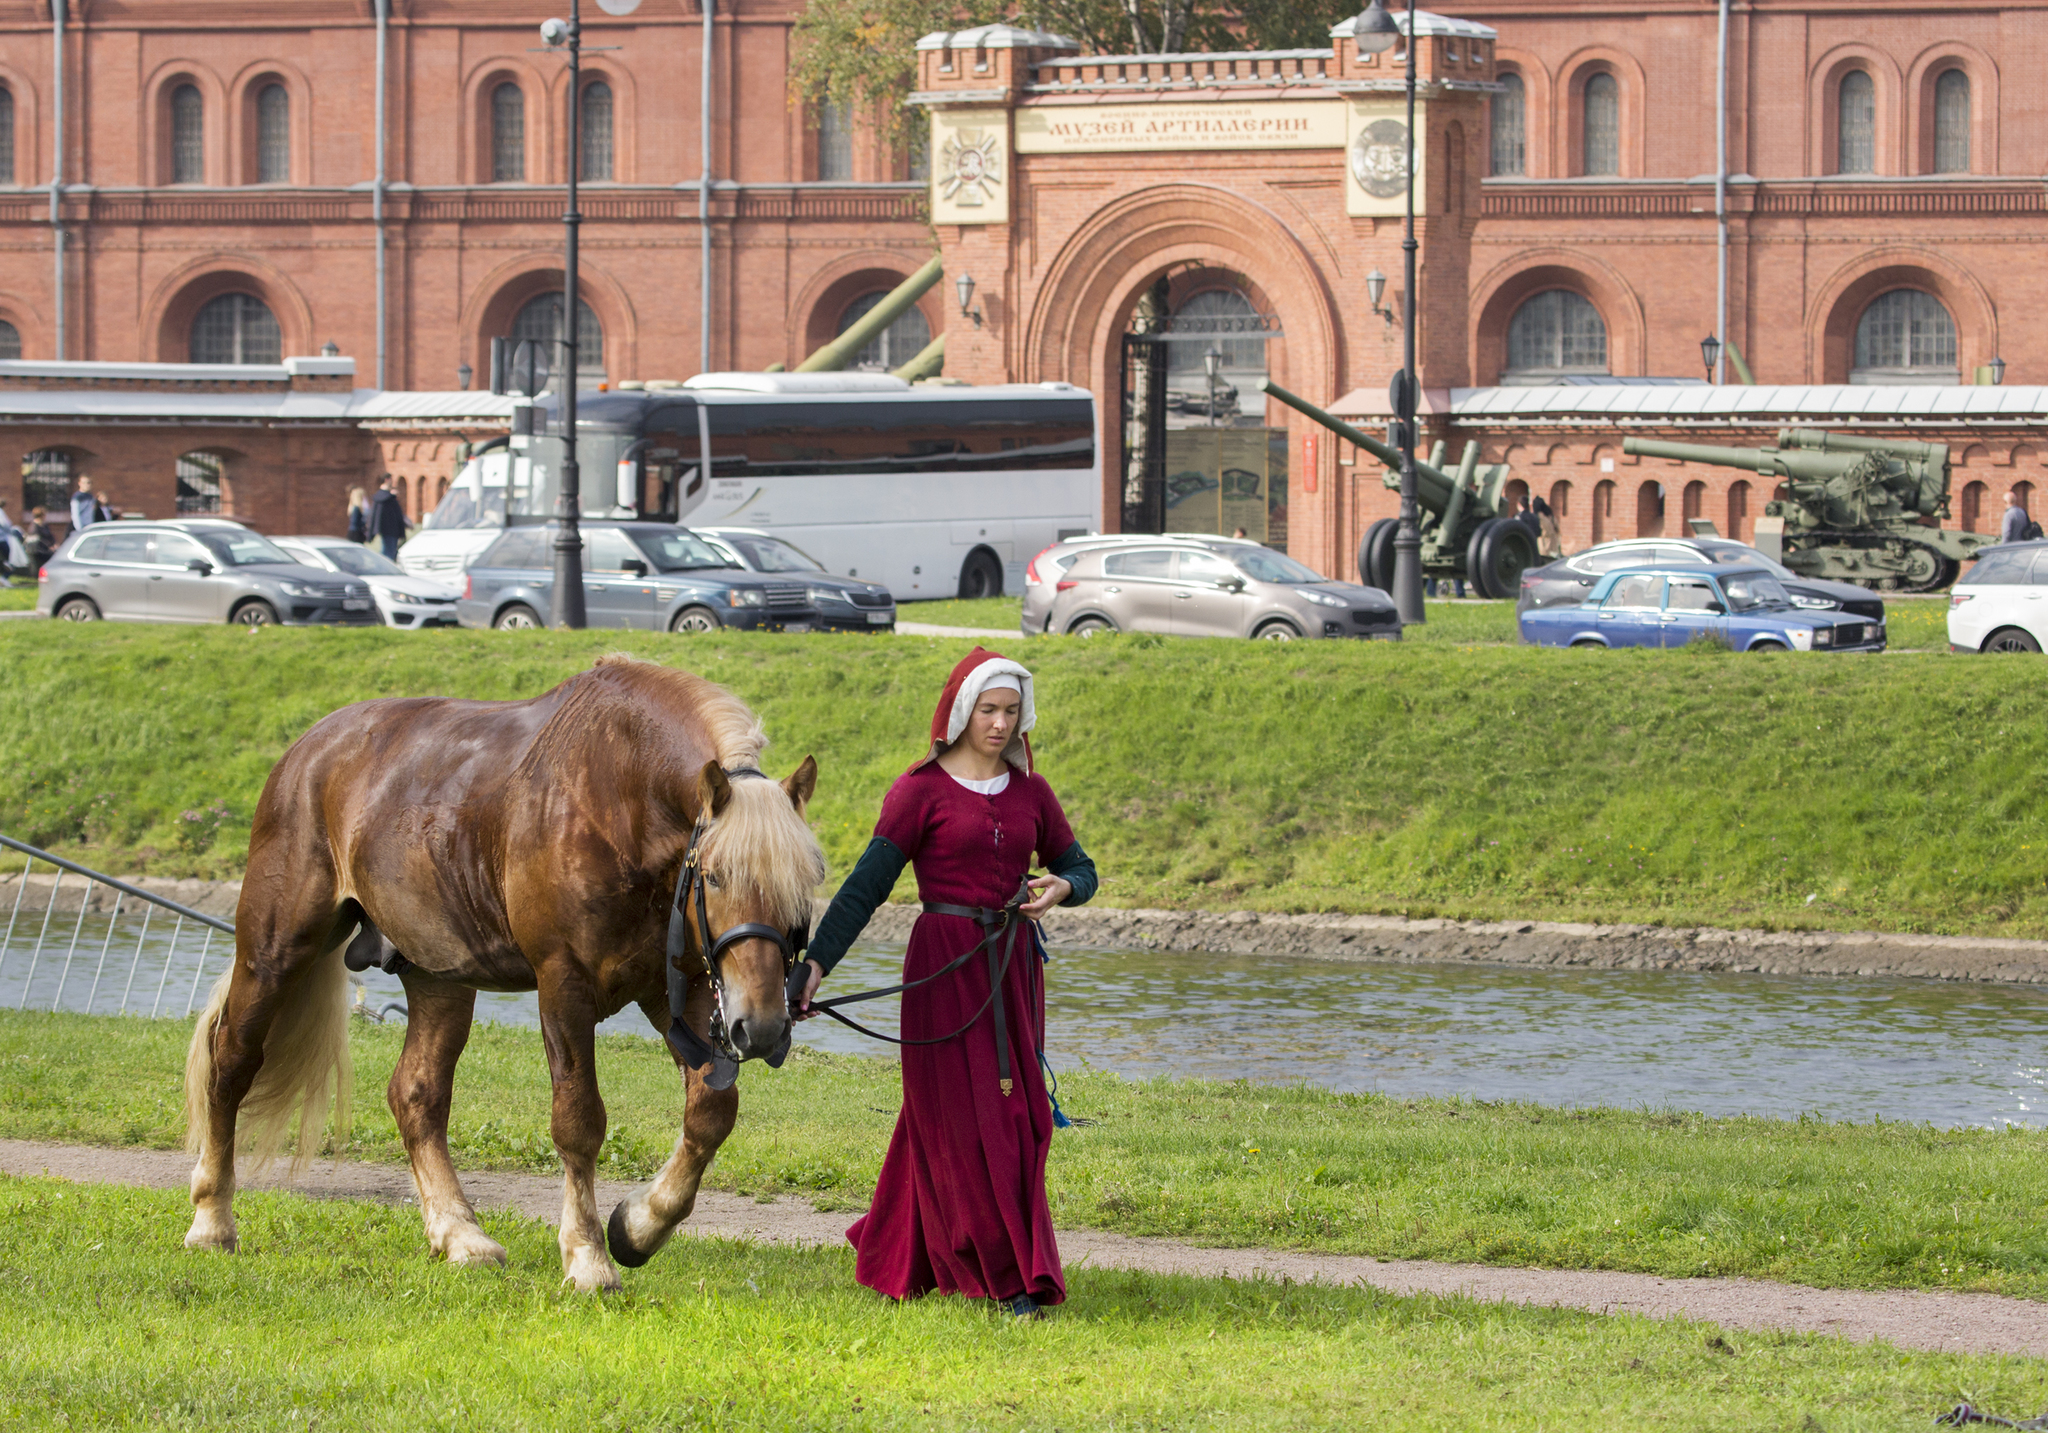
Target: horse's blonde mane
{"x": 760, "y": 839}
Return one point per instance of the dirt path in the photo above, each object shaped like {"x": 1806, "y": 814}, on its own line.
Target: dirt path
{"x": 1958, "y": 1323}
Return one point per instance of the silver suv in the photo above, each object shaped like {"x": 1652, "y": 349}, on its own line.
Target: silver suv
{"x": 193, "y": 570}
{"x": 1211, "y": 587}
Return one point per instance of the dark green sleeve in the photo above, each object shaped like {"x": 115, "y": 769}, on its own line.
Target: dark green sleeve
{"x": 863, "y": 892}
{"x": 1075, "y": 868}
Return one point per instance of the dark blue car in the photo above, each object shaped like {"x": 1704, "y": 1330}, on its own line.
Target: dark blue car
{"x": 1745, "y": 608}
{"x": 643, "y": 576}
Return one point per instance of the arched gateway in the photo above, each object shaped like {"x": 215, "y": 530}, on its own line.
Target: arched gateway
{"x": 1122, "y": 217}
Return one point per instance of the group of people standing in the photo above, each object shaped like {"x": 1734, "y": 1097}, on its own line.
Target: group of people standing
{"x": 24, "y": 549}
{"x": 379, "y": 518}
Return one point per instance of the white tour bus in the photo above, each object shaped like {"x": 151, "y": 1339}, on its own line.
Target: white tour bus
{"x": 934, "y": 491}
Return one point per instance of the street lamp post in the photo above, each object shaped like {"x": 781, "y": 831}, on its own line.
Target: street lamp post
{"x": 1375, "y": 32}
{"x": 1212, "y": 363}
{"x": 565, "y": 600}
{"x": 1710, "y": 354}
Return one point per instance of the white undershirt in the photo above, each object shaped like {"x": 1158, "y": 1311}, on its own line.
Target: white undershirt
{"x": 991, "y": 787}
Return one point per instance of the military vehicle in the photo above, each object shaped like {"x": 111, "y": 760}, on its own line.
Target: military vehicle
{"x": 1854, "y": 509}
{"x": 1466, "y": 531}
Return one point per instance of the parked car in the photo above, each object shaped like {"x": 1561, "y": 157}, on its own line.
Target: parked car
{"x": 2000, "y": 604}
{"x": 1043, "y": 573}
{"x": 648, "y": 576}
{"x": 844, "y": 604}
{"x": 1568, "y": 581}
{"x": 1744, "y": 607}
{"x": 193, "y": 570}
{"x": 1212, "y": 587}
{"x": 403, "y": 600}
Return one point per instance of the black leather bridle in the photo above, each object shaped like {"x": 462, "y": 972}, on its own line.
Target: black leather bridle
{"x": 689, "y": 1047}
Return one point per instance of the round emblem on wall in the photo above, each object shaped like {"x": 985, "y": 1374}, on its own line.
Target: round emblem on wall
{"x": 970, "y": 168}
{"x": 1379, "y": 158}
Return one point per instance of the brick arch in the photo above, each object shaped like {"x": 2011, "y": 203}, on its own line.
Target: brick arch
{"x": 497, "y": 297}
{"x": 1539, "y": 159}
{"x": 625, "y": 114}
{"x": 240, "y": 118}
{"x": 178, "y": 298}
{"x": 474, "y": 153}
{"x": 1094, "y": 283}
{"x": 1927, "y": 67}
{"x": 820, "y": 303}
{"x": 1823, "y": 81}
{"x": 156, "y": 127}
{"x": 1568, "y": 118}
{"x": 1839, "y": 303}
{"x": 28, "y": 113}
{"x": 1497, "y": 295}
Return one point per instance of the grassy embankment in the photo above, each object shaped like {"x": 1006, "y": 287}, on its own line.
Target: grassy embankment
{"x": 21, "y": 597}
{"x": 1833, "y": 1205}
{"x": 334, "y": 1316}
{"x": 1675, "y": 787}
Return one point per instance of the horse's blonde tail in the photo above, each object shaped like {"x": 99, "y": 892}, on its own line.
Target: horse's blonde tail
{"x": 306, "y": 1068}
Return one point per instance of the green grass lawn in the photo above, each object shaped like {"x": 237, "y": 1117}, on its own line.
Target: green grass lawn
{"x": 1660, "y": 1192}
{"x": 21, "y": 597}
{"x": 997, "y": 614}
{"x": 1417, "y": 778}
{"x": 334, "y": 1316}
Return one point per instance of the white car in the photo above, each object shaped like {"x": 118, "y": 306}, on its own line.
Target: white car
{"x": 2001, "y": 603}
{"x": 403, "y": 600}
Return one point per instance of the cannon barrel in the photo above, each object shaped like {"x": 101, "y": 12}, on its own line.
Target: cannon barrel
{"x": 1792, "y": 464}
{"x": 1819, "y": 441}
{"x": 1433, "y": 487}
{"x": 842, "y": 350}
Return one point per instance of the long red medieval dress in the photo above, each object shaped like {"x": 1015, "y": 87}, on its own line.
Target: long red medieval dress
{"x": 960, "y": 1206}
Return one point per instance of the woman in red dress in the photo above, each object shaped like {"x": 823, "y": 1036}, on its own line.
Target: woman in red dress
{"x": 960, "y": 1206}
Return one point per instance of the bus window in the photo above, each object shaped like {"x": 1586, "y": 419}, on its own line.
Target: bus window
{"x": 771, "y": 440}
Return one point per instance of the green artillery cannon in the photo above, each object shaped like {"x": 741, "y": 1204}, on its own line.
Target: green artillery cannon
{"x": 1854, "y": 509}
{"x": 1466, "y": 530}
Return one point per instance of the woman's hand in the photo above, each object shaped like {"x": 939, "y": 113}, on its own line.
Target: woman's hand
{"x": 803, "y": 1009}
{"x": 1048, "y": 891}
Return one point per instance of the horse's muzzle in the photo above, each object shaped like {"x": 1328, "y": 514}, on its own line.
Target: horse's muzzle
{"x": 760, "y": 1037}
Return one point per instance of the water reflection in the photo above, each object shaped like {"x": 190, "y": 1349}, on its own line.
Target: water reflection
{"x": 1953, "y": 1054}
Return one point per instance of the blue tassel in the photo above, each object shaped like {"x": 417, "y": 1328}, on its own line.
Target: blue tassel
{"x": 1052, "y": 1092}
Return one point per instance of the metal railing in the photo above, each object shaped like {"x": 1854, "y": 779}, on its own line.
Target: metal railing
{"x": 120, "y": 950}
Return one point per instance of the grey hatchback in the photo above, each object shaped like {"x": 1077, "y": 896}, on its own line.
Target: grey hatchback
{"x": 193, "y": 570}
{"x": 1213, "y": 587}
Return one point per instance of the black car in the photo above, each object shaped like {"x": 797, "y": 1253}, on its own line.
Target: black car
{"x": 1568, "y": 580}
{"x": 845, "y": 604}
{"x": 646, "y": 576}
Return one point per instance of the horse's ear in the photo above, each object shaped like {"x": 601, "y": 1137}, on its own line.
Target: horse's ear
{"x": 714, "y": 788}
{"x": 802, "y": 783}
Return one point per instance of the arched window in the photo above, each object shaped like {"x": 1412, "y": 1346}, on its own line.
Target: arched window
{"x": 508, "y": 134}
{"x": 199, "y": 484}
{"x": 6, "y": 135}
{"x": 835, "y": 141}
{"x": 541, "y": 320}
{"x": 1510, "y": 124}
{"x": 46, "y": 478}
{"x": 920, "y": 146}
{"x": 1905, "y": 336}
{"x": 596, "y": 156}
{"x": 273, "y": 135}
{"x": 2024, "y": 491}
{"x": 1227, "y": 320}
{"x": 1738, "y": 510}
{"x": 1973, "y": 506}
{"x": 1952, "y": 123}
{"x": 895, "y": 345}
{"x": 188, "y": 136}
{"x": 1692, "y": 504}
{"x": 236, "y": 328}
{"x": 1650, "y": 509}
{"x": 1603, "y": 510}
{"x": 10, "y": 341}
{"x": 1552, "y": 334}
{"x": 1602, "y": 125}
{"x": 1856, "y": 124}
{"x": 1560, "y": 500}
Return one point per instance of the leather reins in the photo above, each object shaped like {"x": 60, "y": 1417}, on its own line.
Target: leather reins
{"x": 689, "y": 1047}
{"x": 1001, "y": 921}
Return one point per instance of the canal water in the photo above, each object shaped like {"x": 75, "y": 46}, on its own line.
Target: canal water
{"x": 1948, "y": 1053}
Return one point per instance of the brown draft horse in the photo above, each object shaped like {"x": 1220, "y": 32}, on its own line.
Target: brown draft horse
{"x": 501, "y": 846}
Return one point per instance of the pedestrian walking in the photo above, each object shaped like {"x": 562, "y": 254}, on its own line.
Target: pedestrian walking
{"x": 2013, "y": 528}
{"x": 960, "y": 1206}
{"x": 1528, "y": 519}
{"x": 358, "y": 515}
{"x": 13, "y": 553}
{"x": 38, "y": 538}
{"x": 86, "y": 507}
{"x": 387, "y": 518}
{"x": 1549, "y": 543}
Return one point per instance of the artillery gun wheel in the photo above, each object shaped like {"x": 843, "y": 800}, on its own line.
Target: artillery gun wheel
{"x": 1500, "y": 552}
{"x": 1376, "y": 555}
{"x": 1928, "y": 568}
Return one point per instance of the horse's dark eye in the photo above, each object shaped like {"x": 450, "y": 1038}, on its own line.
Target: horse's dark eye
{"x": 713, "y": 882}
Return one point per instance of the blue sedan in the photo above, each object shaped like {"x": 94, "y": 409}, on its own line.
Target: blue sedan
{"x": 1744, "y": 608}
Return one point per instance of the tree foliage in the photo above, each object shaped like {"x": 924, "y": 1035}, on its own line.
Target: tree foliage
{"x": 860, "y": 53}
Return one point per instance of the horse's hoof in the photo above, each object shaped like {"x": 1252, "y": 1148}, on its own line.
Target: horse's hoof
{"x": 591, "y": 1272}
{"x": 620, "y": 1241}
{"x": 209, "y": 1231}
{"x": 474, "y": 1247}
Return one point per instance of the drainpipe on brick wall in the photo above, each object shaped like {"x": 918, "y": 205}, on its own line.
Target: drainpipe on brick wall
{"x": 57, "y": 161}
{"x": 377, "y": 188}
{"x": 1721, "y": 194}
{"x": 704, "y": 200}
